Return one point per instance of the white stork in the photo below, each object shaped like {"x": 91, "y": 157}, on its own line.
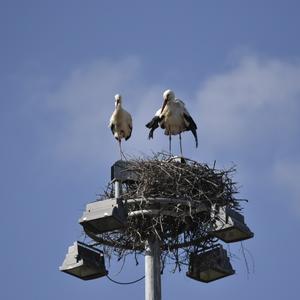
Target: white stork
{"x": 120, "y": 122}
{"x": 174, "y": 118}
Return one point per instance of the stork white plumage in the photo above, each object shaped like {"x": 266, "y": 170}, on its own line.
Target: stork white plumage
{"x": 120, "y": 123}
{"x": 174, "y": 118}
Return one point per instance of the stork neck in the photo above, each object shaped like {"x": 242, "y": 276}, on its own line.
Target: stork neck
{"x": 118, "y": 106}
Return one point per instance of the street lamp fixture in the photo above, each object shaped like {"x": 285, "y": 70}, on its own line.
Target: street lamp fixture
{"x": 229, "y": 226}
{"x": 210, "y": 265}
{"x": 104, "y": 216}
{"x": 84, "y": 262}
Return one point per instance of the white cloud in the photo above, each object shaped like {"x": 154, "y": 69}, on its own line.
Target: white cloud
{"x": 85, "y": 102}
{"x": 286, "y": 176}
{"x": 254, "y": 104}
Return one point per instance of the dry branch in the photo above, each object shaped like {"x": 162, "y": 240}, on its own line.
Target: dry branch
{"x": 183, "y": 231}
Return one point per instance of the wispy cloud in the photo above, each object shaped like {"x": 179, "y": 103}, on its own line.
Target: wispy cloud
{"x": 253, "y": 105}
{"x": 85, "y": 101}
{"x": 286, "y": 177}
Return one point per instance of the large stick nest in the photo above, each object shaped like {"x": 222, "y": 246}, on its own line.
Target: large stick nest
{"x": 167, "y": 177}
{"x": 180, "y": 226}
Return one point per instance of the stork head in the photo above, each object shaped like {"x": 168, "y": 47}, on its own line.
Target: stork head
{"x": 167, "y": 95}
{"x": 118, "y": 100}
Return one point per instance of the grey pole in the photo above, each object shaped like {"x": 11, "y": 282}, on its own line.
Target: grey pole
{"x": 152, "y": 271}
{"x": 118, "y": 189}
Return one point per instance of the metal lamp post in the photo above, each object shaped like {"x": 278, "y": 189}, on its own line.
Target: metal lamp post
{"x": 152, "y": 270}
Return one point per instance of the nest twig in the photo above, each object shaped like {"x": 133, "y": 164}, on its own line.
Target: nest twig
{"x": 185, "y": 229}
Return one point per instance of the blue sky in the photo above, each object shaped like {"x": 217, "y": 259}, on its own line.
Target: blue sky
{"x": 236, "y": 64}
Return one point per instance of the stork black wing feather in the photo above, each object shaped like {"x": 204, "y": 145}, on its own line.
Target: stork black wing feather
{"x": 112, "y": 127}
{"x": 189, "y": 119}
{"x": 153, "y": 124}
{"x": 130, "y": 127}
{"x": 192, "y": 127}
